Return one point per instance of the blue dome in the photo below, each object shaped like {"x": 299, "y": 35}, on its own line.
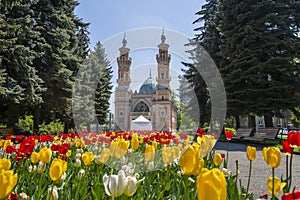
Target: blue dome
{"x": 148, "y": 87}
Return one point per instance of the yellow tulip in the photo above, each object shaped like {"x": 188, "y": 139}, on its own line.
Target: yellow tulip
{"x": 104, "y": 156}
{"x": 5, "y": 163}
{"x": 251, "y": 153}
{"x": 277, "y": 185}
{"x": 7, "y": 143}
{"x": 122, "y": 147}
{"x": 134, "y": 142}
{"x": 113, "y": 147}
{"x": 272, "y": 156}
{"x": 206, "y": 145}
{"x": 57, "y": 168}
{"x": 190, "y": 161}
{"x": 149, "y": 153}
{"x": 175, "y": 152}
{"x": 154, "y": 144}
{"x": 68, "y": 154}
{"x": 211, "y": 184}
{"x": 217, "y": 159}
{"x": 45, "y": 155}
{"x": 167, "y": 156}
{"x": 35, "y": 157}
{"x": 87, "y": 158}
{"x": 8, "y": 181}
{"x": 1, "y": 143}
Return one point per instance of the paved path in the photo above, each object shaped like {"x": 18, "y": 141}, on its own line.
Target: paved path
{"x": 260, "y": 171}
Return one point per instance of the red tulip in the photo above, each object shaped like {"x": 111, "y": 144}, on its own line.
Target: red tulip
{"x": 294, "y": 138}
{"x": 228, "y": 135}
{"x": 286, "y": 148}
{"x": 10, "y": 149}
{"x": 296, "y": 195}
{"x": 287, "y": 196}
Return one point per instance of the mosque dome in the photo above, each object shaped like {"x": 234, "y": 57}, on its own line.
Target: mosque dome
{"x": 148, "y": 87}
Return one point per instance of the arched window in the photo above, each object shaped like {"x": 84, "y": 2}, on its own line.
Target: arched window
{"x": 141, "y": 107}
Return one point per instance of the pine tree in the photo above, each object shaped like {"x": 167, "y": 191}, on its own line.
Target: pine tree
{"x": 259, "y": 45}
{"x": 24, "y": 88}
{"x": 93, "y": 90}
{"x": 65, "y": 48}
{"x": 209, "y": 39}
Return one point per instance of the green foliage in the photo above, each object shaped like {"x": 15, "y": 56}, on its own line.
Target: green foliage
{"x": 26, "y": 122}
{"x": 54, "y": 126}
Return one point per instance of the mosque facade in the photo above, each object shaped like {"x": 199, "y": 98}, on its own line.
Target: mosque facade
{"x": 153, "y": 100}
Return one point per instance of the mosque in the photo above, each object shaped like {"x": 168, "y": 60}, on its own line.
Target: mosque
{"x": 151, "y": 107}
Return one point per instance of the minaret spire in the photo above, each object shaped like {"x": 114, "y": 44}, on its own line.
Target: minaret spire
{"x": 163, "y": 37}
{"x": 124, "y": 40}
{"x": 150, "y": 74}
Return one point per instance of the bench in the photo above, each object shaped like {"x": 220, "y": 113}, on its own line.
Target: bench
{"x": 242, "y": 133}
{"x": 6, "y": 132}
{"x": 263, "y": 135}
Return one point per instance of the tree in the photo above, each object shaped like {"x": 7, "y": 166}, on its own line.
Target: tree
{"x": 259, "y": 44}
{"x": 209, "y": 39}
{"x": 93, "y": 89}
{"x": 65, "y": 48}
{"x": 24, "y": 88}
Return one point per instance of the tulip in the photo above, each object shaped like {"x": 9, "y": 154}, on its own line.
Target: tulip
{"x": 114, "y": 185}
{"x": 122, "y": 147}
{"x": 149, "y": 153}
{"x": 52, "y": 193}
{"x": 217, "y": 159}
{"x": 45, "y": 155}
{"x": 293, "y": 138}
{"x": 57, "y": 169}
{"x": 189, "y": 160}
{"x": 167, "y": 155}
{"x": 8, "y": 181}
{"x": 211, "y": 184}
{"x": 154, "y": 144}
{"x": 68, "y": 154}
{"x": 134, "y": 142}
{"x": 87, "y": 158}
{"x": 5, "y": 163}
{"x": 104, "y": 156}
{"x": 35, "y": 157}
{"x": 24, "y": 196}
{"x": 132, "y": 184}
{"x": 251, "y": 153}
{"x": 286, "y": 148}
{"x": 77, "y": 163}
{"x": 80, "y": 174}
{"x": 206, "y": 145}
{"x": 41, "y": 167}
{"x": 272, "y": 156}
{"x": 228, "y": 135}
{"x": 277, "y": 185}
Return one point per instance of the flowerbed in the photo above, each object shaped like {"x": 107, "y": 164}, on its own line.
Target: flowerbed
{"x": 131, "y": 165}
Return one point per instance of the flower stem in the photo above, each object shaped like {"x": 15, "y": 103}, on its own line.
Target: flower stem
{"x": 287, "y": 167}
{"x": 249, "y": 176}
{"x": 225, "y": 165}
{"x": 273, "y": 183}
{"x": 291, "y": 162}
{"x": 186, "y": 188}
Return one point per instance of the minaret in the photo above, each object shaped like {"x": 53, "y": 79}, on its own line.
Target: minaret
{"x": 124, "y": 62}
{"x": 163, "y": 61}
{"x": 123, "y": 92}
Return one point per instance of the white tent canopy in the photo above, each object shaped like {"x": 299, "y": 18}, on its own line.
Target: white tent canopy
{"x": 141, "y": 123}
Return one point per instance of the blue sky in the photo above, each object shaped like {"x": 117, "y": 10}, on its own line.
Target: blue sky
{"x": 110, "y": 17}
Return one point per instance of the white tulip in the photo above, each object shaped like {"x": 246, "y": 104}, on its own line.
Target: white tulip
{"x": 77, "y": 163}
{"x": 78, "y": 156}
{"x": 52, "y": 193}
{"x": 132, "y": 184}
{"x": 41, "y": 167}
{"x": 114, "y": 185}
{"x": 80, "y": 174}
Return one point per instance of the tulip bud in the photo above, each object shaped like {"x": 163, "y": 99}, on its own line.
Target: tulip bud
{"x": 217, "y": 159}
{"x": 24, "y": 196}
{"x": 251, "y": 153}
{"x": 62, "y": 178}
{"x": 80, "y": 174}
{"x": 52, "y": 193}
{"x": 78, "y": 155}
{"x": 77, "y": 163}
{"x": 41, "y": 167}
{"x": 151, "y": 166}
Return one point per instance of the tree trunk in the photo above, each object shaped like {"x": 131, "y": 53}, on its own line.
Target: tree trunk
{"x": 251, "y": 121}
{"x": 36, "y": 115}
{"x": 268, "y": 120}
{"x": 237, "y": 122}
{"x": 13, "y": 115}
